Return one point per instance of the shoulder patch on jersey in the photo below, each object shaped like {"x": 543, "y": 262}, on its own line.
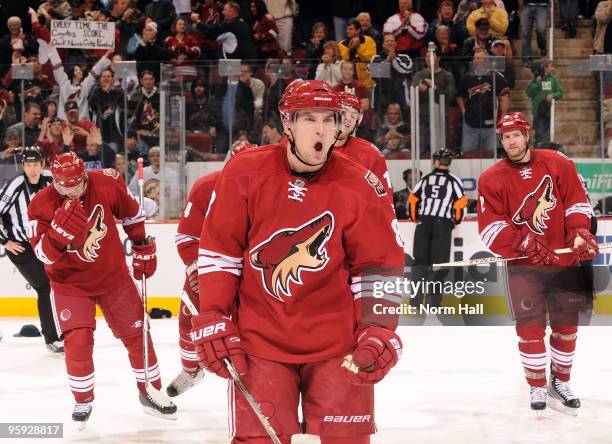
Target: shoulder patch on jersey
{"x": 111, "y": 172}
{"x": 375, "y": 183}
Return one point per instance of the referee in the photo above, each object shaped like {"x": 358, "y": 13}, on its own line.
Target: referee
{"x": 14, "y": 200}
{"x": 436, "y": 204}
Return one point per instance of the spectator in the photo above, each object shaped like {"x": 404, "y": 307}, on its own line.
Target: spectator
{"x": 409, "y": 29}
{"x": 475, "y": 100}
{"x": 151, "y": 175}
{"x": 103, "y": 15}
{"x": 446, "y": 17}
{"x": 50, "y": 138}
{"x": 283, "y": 12}
{"x": 481, "y": 40}
{"x": 135, "y": 148}
{"x": 149, "y": 54}
{"x": 37, "y": 89}
{"x": 603, "y": 38}
{"x": 183, "y": 51}
{"x": 8, "y": 113}
{"x": 206, "y": 12}
{"x": 272, "y": 132}
{"x": 8, "y": 42}
{"x": 107, "y": 102}
{"x": 314, "y": 48}
{"x": 49, "y": 108}
{"x": 119, "y": 163}
{"x": 400, "y": 198}
{"x": 265, "y": 31}
{"x": 444, "y": 84}
{"x": 447, "y": 50}
{"x": 162, "y": 12}
{"x": 359, "y": 49}
{"x": 10, "y": 145}
{"x": 500, "y": 48}
{"x": 368, "y": 30}
{"x": 533, "y": 11}
{"x": 329, "y": 68}
{"x": 199, "y": 110}
{"x": 498, "y": 18}
{"x": 568, "y": 11}
{"x": 127, "y": 84}
{"x": 395, "y": 88}
{"x": 350, "y": 85}
{"x": 542, "y": 89}
{"x": 236, "y": 103}
{"x": 234, "y": 35}
{"x": 278, "y": 76}
{"x": 75, "y": 83}
{"x": 79, "y": 128}
{"x": 145, "y": 119}
{"x": 257, "y": 87}
{"x": 31, "y": 123}
{"x": 393, "y": 122}
{"x": 97, "y": 155}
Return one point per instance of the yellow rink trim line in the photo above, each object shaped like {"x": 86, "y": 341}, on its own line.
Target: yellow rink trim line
{"x": 493, "y": 305}
{"x": 27, "y": 306}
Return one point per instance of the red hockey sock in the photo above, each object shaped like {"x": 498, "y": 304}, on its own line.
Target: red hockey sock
{"x": 365, "y": 439}
{"x": 136, "y": 355}
{"x": 562, "y": 346}
{"x": 284, "y": 439}
{"x": 189, "y": 357}
{"x": 533, "y": 354}
{"x": 78, "y": 346}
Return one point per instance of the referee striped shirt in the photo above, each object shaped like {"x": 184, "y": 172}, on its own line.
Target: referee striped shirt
{"x": 14, "y": 200}
{"x": 438, "y": 194}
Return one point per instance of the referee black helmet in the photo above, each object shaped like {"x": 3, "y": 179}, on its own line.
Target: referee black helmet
{"x": 33, "y": 154}
{"x": 445, "y": 156}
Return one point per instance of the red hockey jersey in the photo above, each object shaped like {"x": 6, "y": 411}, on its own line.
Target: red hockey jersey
{"x": 544, "y": 196}
{"x": 299, "y": 256}
{"x": 187, "y": 236}
{"x": 99, "y": 265}
{"x": 366, "y": 154}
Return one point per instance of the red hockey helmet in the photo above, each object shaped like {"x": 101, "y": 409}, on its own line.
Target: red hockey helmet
{"x": 68, "y": 170}
{"x": 511, "y": 122}
{"x": 348, "y": 100}
{"x": 308, "y": 94}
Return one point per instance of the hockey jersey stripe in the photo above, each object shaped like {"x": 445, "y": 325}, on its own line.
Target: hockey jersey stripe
{"x": 210, "y": 262}
{"x": 491, "y": 231}
{"x": 40, "y": 254}
{"x": 140, "y": 217}
{"x": 583, "y": 208}
{"x": 182, "y": 238}
{"x": 214, "y": 254}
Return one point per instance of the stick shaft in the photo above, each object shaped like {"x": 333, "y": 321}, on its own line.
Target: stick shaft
{"x": 497, "y": 259}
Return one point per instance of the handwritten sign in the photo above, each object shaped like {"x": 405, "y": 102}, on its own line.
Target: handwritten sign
{"x": 82, "y": 34}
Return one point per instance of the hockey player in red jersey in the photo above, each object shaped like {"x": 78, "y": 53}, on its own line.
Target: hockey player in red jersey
{"x": 187, "y": 240}
{"x": 72, "y": 230}
{"x": 360, "y": 150}
{"x": 530, "y": 204}
{"x": 288, "y": 267}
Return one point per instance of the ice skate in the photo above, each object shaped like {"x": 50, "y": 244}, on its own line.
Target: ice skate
{"x": 81, "y": 413}
{"x": 56, "y": 350}
{"x": 184, "y": 381}
{"x": 538, "y": 399}
{"x": 152, "y": 408}
{"x": 561, "y": 397}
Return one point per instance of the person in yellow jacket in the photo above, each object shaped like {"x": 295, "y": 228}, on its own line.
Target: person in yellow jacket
{"x": 360, "y": 49}
{"x": 498, "y": 18}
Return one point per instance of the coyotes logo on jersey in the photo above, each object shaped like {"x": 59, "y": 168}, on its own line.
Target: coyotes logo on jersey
{"x": 95, "y": 230}
{"x": 533, "y": 212}
{"x": 288, "y": 252}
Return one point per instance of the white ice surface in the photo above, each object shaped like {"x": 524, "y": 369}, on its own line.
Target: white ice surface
{"x": 453, "y": 385}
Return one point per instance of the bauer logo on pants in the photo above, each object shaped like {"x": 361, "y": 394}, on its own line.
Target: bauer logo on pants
{"x": 286, "y": 253}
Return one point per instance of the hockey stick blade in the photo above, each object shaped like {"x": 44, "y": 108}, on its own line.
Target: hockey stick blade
{"x": 497, "y": 259}
{"x": 236, "y": 378}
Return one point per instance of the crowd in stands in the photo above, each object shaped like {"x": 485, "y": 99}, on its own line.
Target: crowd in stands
{"x": 75, "y": 100}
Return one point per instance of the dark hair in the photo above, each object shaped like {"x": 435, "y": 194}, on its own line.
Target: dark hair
{"x": 260, "y": 8}
{"x": 29, "y": 104}
{"x": 274, "y": 124}
{"x": 70, "y": 72}
{"x": 176, "y": 20}
{"x": 146, "y": 71}
{"x": 356, "y": 23}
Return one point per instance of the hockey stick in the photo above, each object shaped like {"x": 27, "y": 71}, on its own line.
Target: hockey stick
{"x": 155, "y": 394}
{"x": 236, "y": 378}
{"x": 497, "y": 259}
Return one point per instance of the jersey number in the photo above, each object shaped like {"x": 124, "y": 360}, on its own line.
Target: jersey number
{"x": 187, "y": 210}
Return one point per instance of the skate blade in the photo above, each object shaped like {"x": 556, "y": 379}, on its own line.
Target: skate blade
{"x": 57, "y": 355}
{"x": 557, "y": 405}
{"x": 152, "y": 412}
{"x": 539, "y": 413}
{"x": 81, "y": 425}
